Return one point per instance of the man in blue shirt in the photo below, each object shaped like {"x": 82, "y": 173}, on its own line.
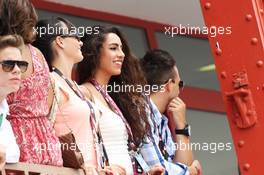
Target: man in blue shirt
{"x": 173, "y": 149}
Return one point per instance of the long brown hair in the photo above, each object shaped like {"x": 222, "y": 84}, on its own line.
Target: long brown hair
{"x": 18, "y": 17}
{"x": 131, "y": 103}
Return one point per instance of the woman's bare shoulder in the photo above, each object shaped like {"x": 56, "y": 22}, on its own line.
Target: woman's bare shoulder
{"x": 86, "y": 89}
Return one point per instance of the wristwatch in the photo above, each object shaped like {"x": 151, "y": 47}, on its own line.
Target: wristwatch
{"x": 185, "y": 131}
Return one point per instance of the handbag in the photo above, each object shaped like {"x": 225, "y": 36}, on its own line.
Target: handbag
{"x": 71, "y": 154}
{"x": 71, "y": 157}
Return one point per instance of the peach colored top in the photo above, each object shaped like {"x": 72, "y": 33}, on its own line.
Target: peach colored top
{"x": 76, "y": 114}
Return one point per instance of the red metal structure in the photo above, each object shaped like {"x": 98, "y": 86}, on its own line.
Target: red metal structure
{"x": 239, "y": 63}
{"x": 239, "y": 60}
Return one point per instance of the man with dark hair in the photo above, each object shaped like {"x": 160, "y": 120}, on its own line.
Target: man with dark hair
{"x": 167, "y": 109}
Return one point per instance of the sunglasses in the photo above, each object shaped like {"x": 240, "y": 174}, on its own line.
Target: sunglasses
{"x": 9, "y": 65}
{"x": 181, "y": 84}
{"x": 76, "y": 36}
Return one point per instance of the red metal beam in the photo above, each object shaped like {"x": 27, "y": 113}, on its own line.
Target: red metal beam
{"x": 203, "y": 99}
{"x": 151, "y": 38}
{"x": 239, "y": 60}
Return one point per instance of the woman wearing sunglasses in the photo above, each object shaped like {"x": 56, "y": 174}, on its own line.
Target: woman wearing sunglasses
{"x": 29, "y": 106}
{"x": 62, "y": 50}
{"x": 12, "y": 66}
{"x": 70, "y": 111}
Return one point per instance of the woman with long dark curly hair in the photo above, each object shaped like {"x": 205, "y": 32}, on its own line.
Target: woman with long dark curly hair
{"x": 108, "y": 64}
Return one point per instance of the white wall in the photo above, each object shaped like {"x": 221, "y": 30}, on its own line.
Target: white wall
{"x": 213, "y": 129}
{"x": 173, "y": 12}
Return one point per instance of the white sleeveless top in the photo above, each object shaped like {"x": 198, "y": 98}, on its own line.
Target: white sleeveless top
{"x": 115, "y": 137}
{"x": 7, "y": 138}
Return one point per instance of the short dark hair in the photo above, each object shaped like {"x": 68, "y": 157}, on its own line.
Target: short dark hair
{"x": 18, "y": 17}
{"x": 11, "y": 41}
{"x": 44, "y": 40}
{"x": 158, "y": 66}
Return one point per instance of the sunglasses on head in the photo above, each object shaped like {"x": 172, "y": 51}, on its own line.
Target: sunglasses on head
{"x": 9, "y": 65}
